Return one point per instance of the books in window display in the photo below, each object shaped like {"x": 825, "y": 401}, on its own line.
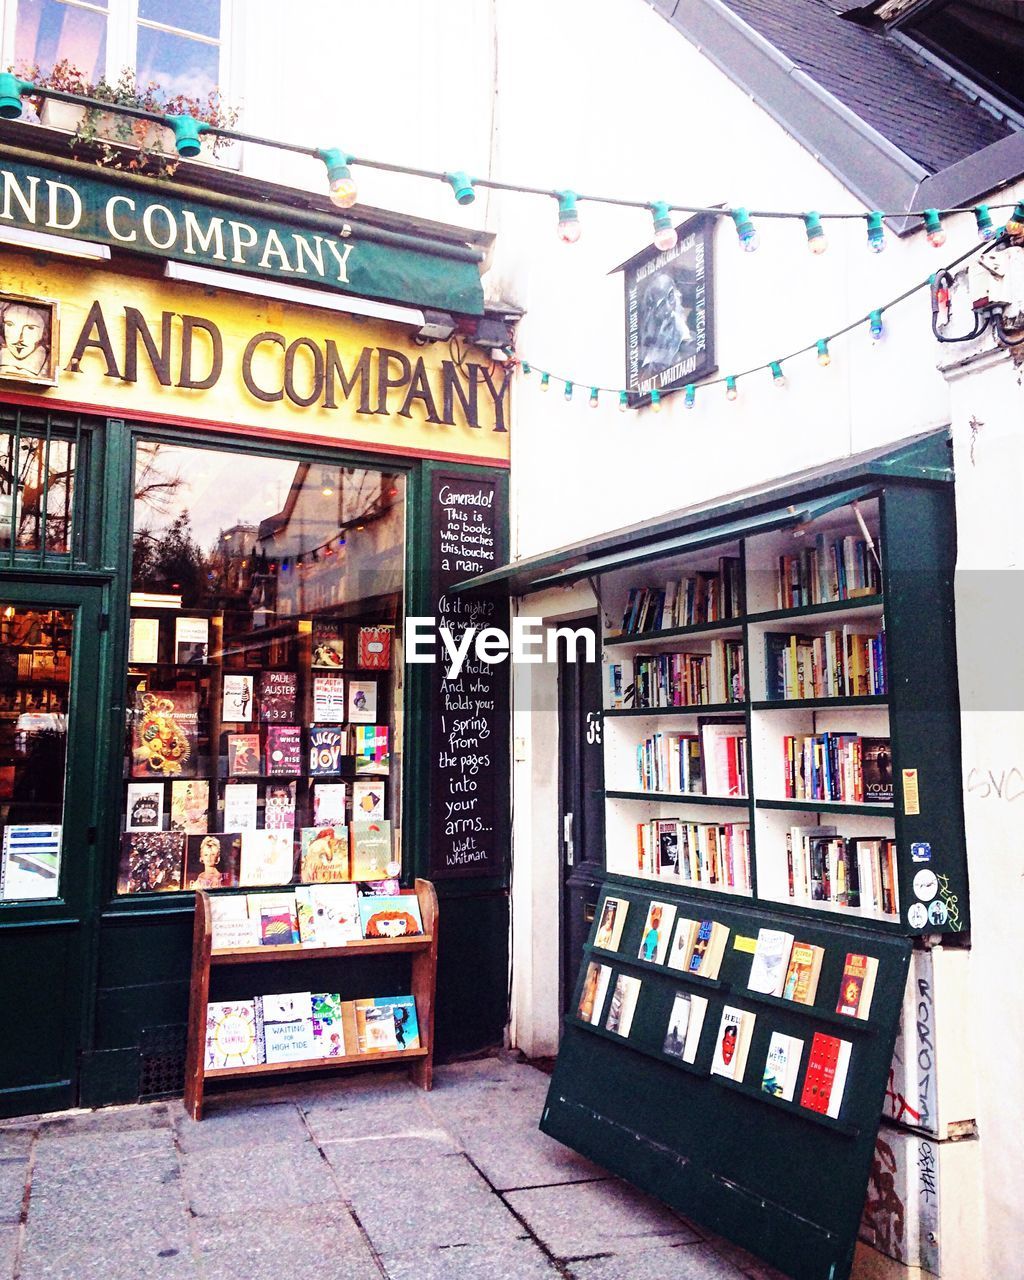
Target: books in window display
{"x": 838, "y": 766}
{"x": 685, "y": 1023}
{"x": 268, "y": 858}
{"x": 211, "y": 860}
{"x": 371, "y": 748}
{"x": 703, "y": 853}
{"x": 328, "y": 914}
{"x": 733, "y": 1043}
{"x": 279, "y": 806}
{"x": 278, "y": 697}
{"x": 612, "y": 922}
{"x": 165, "y": 733}
{"x": 328, "y": 646}
{"x": 244, "y": 755}
{"x": 390, "y": 916}
{"x": 326, "y": 751}
{"x": 324, "y": 854}
{"x": 151, "y": 861}
{"x": 371, "y": 850}
{"x": 827, "y": 1068}
{"x": 236, "y": 698}
{"x": 283, "y": 750}
{"x": 190, "y": 806}
{"x": 373, "y": 651}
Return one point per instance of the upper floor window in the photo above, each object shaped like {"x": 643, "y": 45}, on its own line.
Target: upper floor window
{"x": 176, "y": 44}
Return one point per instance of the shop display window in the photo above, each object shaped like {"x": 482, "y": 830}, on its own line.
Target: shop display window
{"x": 37, "y": 490}
{"x": 264, "y": 700}
{"x": 35, "y": 685}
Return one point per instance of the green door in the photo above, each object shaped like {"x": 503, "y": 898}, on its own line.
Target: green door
{"x": 50, "y": 676}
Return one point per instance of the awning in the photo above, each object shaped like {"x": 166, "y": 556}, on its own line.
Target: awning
{"x": 790, "y": 500}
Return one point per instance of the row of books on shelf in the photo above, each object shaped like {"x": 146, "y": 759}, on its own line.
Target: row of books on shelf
{"x": 832, "y": 569}
{"x": 842, "y": 663}
{"x": 827, "y": 1063}
{"x": 167, "y": 861}
{"x": 781, "y": 966}
{"x": 711, "y": 762}
{"x": 838, "y": 767}
{"x": 690, "y": 679}
{"x": 191, "y": 646}
{"x": 36, "y": 664}
{"x": 303, "y": 1026}
{"x": 315, "y": 915}
{"x": 714, "y": 854}
{"x": 189, "y": 810}
{"x": 165, "y": 743}
{"x": 705, "y": 596}
{"x": 857, "y": 872}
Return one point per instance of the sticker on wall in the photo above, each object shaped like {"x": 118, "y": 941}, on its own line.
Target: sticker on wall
{"x": 920, "y": 851}
{"x": 937, "y": 913}
{"x": 741, "y": 943}
{"x": 911, "y": 794}
{"x": 926, "y": 886}
{"x": 917, "y": 916}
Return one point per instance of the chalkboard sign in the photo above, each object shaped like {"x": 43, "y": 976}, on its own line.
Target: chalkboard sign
{"x": 469, "y": 713}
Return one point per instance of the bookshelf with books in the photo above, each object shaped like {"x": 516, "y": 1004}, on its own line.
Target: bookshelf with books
{"x": 792, "y": 691}
{"x": 345, "y": 946}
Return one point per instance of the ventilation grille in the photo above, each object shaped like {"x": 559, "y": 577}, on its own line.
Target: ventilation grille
{"x": 162, "y": 1062}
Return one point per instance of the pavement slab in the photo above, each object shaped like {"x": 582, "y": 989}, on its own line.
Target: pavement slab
{"x": 692, "y": 1261}
{"x": 580, "y": 1219}
{"x": 518, "y": 1259}
{"x": 271, "y": 1178}
{"x": 224, "y": 1126}
{"x": 13, "y": 1176}
{"x": 316, "y": 1242}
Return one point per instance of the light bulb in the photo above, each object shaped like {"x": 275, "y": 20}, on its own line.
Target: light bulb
{"x": 545, "y": 381}
{"x": 824, "y": 359}
{"x": 655, "y": 400}
{"x": 1015, "y": 222}
{"x": 689, "y": 396}
{"x": 934, "y": 229}
{"x": 875, "y": 325}
{"x": 568, "y": 391}
{"x": 730, "y": 388}
{"x": 876, "y": 232}
{"x": 665, "y": 237}
{"x": 623, "y": 401}
{"x": 816, "y": 240}
{"x": 568, "y": 217}
{"x": 593, "y": 398}
{"x": 778, "y": 377}
{"x": 343, "y": 192}
{"x": 984, "y": 220}
{"x": 745, "y": 229}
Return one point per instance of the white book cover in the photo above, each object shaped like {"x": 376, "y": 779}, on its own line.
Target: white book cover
{"x": 368, "y": 801}
{"x": 771, "y": 962}
{"x": 335, "y": 913}
{"x": 236, "y": 700}
{"x": 191, "y": 641}
{"x": 329, "y": 803}
{"x": 144, "y": 640}
{"x": 231, "y": 1039}
{"x": 31, "y": 862}
{"x": 287, "y": 1026}
{"x": 732, "y": 1043}
{"x": 684, "y": 1026}
{"x": 240, "y": 806}
{"x": 362, "y": 701}
{"x": 329, "y": 699}
{"x": 835, "y": 1098}
{"x": 145, "y": 806}
{"x": 231, "y": 923}
{"x": 782, "y": 1066}
{"x": 656, "y": 932}
{"x": 622, "y": 1005}
{"x": 268, "y": 857}
{"x": 685, "y": 936}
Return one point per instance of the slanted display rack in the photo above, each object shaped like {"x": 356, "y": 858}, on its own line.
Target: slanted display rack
{"x": 419, "y": 951}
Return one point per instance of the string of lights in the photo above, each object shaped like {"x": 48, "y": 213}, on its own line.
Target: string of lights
{"x": 820, "y": 347}
{"x": 343, "y": 191}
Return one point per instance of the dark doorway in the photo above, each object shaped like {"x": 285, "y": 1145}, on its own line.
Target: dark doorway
{"x": 581, "y": 804}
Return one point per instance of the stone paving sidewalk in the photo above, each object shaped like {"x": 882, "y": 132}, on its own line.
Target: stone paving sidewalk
{"x": 348, "y": 1179}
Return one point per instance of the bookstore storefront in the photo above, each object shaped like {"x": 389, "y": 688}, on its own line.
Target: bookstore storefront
{"x": 217, "y": 506}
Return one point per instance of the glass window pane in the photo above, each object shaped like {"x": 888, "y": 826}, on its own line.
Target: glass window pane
{"x": 984, "y": 37}
{"x": 48, "y": 31}
{"x": 200, "y": 16}
{"x": 35, "y": 678}
{"x": 264, "y": 692}
{"x": 37, "y": 479}
{"x": 178, "y": 64}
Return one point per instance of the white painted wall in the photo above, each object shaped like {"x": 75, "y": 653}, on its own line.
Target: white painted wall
{"x": 603, "y": 95}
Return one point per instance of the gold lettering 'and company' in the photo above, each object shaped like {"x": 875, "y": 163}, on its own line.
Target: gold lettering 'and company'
{"x": 152, "y": 348}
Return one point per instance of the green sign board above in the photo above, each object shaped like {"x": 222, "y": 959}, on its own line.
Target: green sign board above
{"x": 139, "y": 219}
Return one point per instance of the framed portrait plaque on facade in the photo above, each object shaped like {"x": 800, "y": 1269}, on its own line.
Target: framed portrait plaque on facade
{"x": 28, "y": 339}
{"x": 670, "y": 313}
